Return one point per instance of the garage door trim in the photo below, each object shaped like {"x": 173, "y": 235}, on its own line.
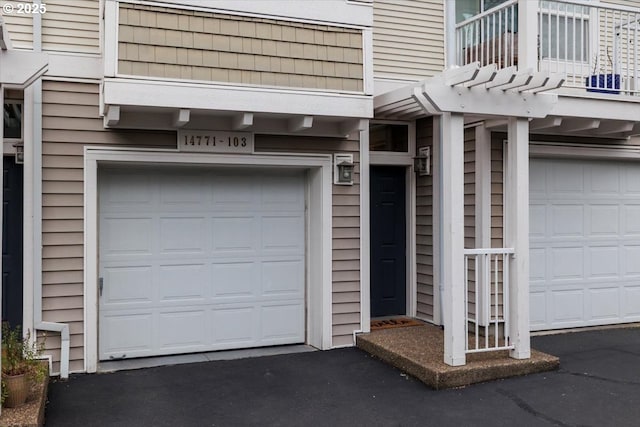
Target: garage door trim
{"x": 319, "y": 187}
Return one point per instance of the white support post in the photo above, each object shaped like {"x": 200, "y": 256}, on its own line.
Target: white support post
{"x": 517, "y": 235}
{"x": 452, "y": 223}
{"x": 483, "y": 209}
{"x": 527, "y": 34}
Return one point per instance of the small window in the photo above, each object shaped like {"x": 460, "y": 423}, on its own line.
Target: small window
{"x": 389, "y": 137}
{"x": 12, "y": 120}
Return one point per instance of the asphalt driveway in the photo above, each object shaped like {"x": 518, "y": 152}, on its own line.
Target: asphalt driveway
{"x": 598, "y": 384}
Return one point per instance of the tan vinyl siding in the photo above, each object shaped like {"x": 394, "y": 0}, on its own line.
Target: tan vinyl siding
{"x": 408, "y": 38}
{"x": 424, "y": 229}
{"x": 470, "y": 188}
{"x": 70, "y": 121}
{"x": 19, "y": 25}
{"x": 346, "y": 230}
{"x": 71, "y": 26}
{"x": 497, "y": 190}
{"x": 181, "y": 44}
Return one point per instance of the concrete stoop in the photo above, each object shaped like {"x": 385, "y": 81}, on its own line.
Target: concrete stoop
{"x": 419, "y": 352}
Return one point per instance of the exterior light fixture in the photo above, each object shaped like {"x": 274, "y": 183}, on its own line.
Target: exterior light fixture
{"x": 343, "y": 169}
{"x": 19, "y": 153}
{"x": 423, "y": 161}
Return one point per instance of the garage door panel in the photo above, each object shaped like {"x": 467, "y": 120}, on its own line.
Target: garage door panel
{"x": 604, "y": 180}
{"x": 567, "y": 220}
{"x": 177, "y": 189}
{"x": 126, "y": 236}
{"x": 631, "y": 222}
{"x": 632, "y": 260}
{"x": 234, "y": 192}
{"x": 235, "y": 235}
{"x": 538, "y": 312}
{"x": 182, "y": 234}
{"x": 604, "y": 221}
{"x": 587, "y": 252}
{"x": 603, "y": 262}
{"x": 245, "y": 331}
{"x": 182, "y": 330}
{"x": 182, "y": 282}
{"x": 139, "y": 192}
{"x": 235, "y": 279}
{"x": 567, "y": 263}
{"x": 280, "y": 277}
{"x": 280, "y": 193}
{"x": 537, "y": 220}
{"x": 282, "y": 233}
{"x": 220, "y": 265}
{"x": 631, "y": 181}
{"x": 538, "y": 261}
{"x": 604, "y": 303}
{"x": 631, "y": 301}
{"x": 126, "y": 285}
{"x": 138, "y": 339}
{"x": 282, "y": 322}
{"x": 565, "y": 179}
{"x": 567, "y": 305}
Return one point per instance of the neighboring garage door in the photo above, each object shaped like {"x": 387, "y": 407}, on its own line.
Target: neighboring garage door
{"x": 199, "y": 260}
{"x": 585, "y": 243}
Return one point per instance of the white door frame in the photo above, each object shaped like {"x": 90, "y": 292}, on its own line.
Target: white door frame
{"x": 319, "y": 223}
{"x": 385, "y": 158}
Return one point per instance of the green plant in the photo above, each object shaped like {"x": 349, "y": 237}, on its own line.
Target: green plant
{"x": 20, "y": 355}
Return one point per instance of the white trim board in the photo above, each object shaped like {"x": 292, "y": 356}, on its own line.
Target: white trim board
{"x": 148, "y": 93}
{"x": 319, "y": 257}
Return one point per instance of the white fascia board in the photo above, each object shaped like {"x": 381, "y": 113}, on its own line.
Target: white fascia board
{"x": 326, "y": 11}
{"x": 75, "y": 66}
{"x": 18, "y": 68}
{"x": 235, "y": 98}
{"x": 603, "y": 109}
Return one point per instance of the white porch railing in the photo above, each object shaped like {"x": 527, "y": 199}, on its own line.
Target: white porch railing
{"x": 490, "y": 37}
{"x": 594, "y": 45}
{"x": 486, "y": 279}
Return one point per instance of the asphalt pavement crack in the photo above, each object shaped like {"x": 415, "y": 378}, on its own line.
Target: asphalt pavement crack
{"x": 599, "y": 378}
{"x": 529, "y": 409}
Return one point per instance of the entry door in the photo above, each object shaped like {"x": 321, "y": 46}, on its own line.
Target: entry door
{"x": 12, "y": 243}
{"x": 388, "y": 241}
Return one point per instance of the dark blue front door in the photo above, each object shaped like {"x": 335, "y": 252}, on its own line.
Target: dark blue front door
{"x": 12, "y": 243}
{"x": 388, "y": 241}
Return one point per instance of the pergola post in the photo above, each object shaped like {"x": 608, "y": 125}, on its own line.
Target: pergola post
{"x": 517, "y": 234}
{"x": 452, "y": 237}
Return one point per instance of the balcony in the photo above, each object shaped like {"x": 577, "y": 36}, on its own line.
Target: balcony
{"x": 595, "y": 46}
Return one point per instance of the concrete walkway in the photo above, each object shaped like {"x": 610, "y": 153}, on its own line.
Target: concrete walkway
{"x": 598, "y": 384}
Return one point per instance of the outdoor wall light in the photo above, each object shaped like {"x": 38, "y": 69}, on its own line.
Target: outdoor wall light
{"x": 423, "y": 161}
{"x": 343, "y": 169}
{"x": 19, "y": 153}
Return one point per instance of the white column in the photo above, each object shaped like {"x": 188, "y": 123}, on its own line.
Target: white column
{"x": 483, "y": 209}
{"x": 517, "y": 234}
{"x": 452, "y": 226}
{"x": 528, "y": 34}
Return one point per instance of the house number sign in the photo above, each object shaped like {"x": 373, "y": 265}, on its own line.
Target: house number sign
{"x": 212, "y": 141}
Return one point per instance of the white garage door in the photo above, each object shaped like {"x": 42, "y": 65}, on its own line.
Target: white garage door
{"x": 196, "y": 260}
{"x": 585, "y": 243}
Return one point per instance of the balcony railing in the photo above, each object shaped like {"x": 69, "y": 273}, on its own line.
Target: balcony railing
{"x": 594, "y": 45}
{"x": 486, "y": 281}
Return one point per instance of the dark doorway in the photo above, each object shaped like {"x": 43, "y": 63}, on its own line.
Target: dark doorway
{"x": 388, "y": 241}
{"x": 12, "y": 242}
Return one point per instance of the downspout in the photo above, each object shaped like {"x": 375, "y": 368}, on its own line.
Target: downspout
{"x": 33, "y": 205}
